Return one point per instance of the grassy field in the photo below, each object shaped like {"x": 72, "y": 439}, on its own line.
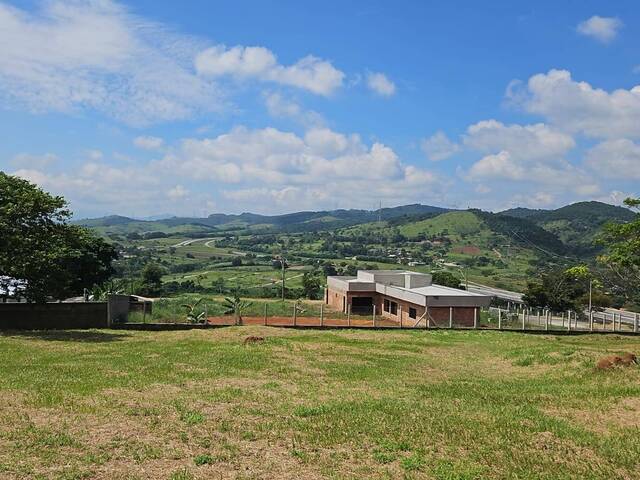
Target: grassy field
{"x": 308, "y": 404}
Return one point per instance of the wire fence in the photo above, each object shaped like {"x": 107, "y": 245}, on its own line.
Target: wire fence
{"x": 290, "y": 313}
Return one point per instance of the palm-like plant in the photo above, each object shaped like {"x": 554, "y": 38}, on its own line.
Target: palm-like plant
{"x": 235, "y": 305}
{"x": 192, "y": 315}
{"x": 111, "y": 287}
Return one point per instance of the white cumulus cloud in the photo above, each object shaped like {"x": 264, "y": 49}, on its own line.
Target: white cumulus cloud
{"x": 538, "y": 141}
{"x": 309, "y": 73}
{"x": 439, "y": 147}
{"x": 603, "y": 29}
{"x": 380, "y": 84}
{"x": 618, "y": 158}
{"x": 577, "y": 107}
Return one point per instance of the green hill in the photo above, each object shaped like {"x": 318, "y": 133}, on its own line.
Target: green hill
{"x": 522, "y": 212}
{"x": 578, "y": 224}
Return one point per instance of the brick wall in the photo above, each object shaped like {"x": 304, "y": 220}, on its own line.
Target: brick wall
{"x": 439, "y": 316}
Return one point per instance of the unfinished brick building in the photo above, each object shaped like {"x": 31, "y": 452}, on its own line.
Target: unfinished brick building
{"x": 404, "y": 296}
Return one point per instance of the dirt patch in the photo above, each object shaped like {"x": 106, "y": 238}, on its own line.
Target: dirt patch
{"x": 623, "y": 414}
{"x": 467, "y": 250}
{"x": 610, "y": 361}
{"x": 305, "y": 321}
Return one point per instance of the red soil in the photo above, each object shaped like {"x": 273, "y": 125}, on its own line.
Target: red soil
{"x": 305, "y": 321}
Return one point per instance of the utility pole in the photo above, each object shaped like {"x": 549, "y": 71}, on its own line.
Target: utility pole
{"x": 282, "y": 264}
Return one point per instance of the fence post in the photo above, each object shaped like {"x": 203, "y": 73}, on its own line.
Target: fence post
{"x": 499, "y": 319}
{"x": 321, "y": 315}
{"x": 591, "y": 321}
{"x": 450, "y": 317}
{"x": 265, "y": 314}
{"x": 144, "y": 312}
{"x": 546, "y": 321}
{"x": 635, "y": 322}
{"x": 613, "y": 321}
{"x": 562, "y": 319}
{"x": 427, "y": 323}
{"x": 569, "y": 321}
{"x": 523, "y": 320}
{"x": 604, "y": 321}
{"x": 475, "y": 317}
{"x": 295, "y": 314}
{"x": 349, "y": 315}
{"x": 374, "y": 316}
{"x": 400, "y": 313}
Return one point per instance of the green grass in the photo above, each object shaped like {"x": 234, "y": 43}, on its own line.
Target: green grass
{"x": 330, "y": 404}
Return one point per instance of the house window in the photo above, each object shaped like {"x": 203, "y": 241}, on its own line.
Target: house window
{"x": 412, "y": 312}
{"x": 394, "y": 308}
{"x": 385, "y": 305}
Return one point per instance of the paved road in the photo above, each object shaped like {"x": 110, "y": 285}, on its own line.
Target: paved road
{"x": 495, "y": 292}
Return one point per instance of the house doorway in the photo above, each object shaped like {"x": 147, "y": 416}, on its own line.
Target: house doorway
{"x": 362, "y": 305}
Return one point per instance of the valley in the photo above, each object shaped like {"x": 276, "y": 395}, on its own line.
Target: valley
{"x": 239, "y": 253}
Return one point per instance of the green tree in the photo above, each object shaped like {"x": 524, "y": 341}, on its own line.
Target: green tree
{"x": 152, "y": 279}
{"x": 55, "y": 259}
{"x": 562, "y": 290}
{"x": 311, "y": 285}
{"x": 622, "y": 257}
{"x": 446, "y": 279}
{"x": 328, "y": 269}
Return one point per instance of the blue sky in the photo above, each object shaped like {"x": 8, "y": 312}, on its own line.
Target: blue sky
{"x": 144, "y": 108}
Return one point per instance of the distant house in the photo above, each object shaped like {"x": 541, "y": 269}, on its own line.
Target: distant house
{"x": 11, "y": 288}
{"x": 406, "y": 295}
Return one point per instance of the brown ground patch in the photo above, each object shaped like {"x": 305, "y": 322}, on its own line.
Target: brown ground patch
{"x": 305, "y": 321}
{"x": 467, "y": 250}
{"x": 610, "y": 361}
{"x": 623, "y": 414}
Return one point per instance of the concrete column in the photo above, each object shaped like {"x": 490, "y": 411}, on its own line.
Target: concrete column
{"x": 450, "y": 317}
{"x": 499, "y": 319}
{"x": 591, "y": 321}
{"x": 475, "y": 317}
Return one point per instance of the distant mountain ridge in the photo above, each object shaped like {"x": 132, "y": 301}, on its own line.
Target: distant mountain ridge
{"x": 569, "y": 230}
{"x": 297, "y": 221}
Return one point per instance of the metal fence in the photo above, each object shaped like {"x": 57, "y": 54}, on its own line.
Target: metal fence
{"x": 595, "y": 321}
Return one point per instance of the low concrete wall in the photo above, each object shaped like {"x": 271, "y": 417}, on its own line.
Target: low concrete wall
{"x": 53, "y": 316}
